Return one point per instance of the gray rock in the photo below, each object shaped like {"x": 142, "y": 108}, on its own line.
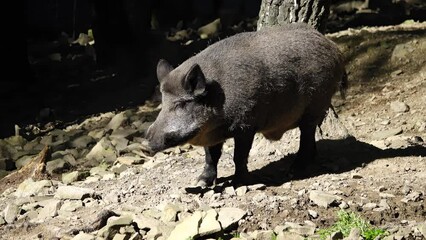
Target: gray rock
{"x": 120, "y": 236}
{"x": 22, "y": 161}
{"x": 82, "y": 141}
{"x": 71, "y": 205}
{"x": 108, "y": 176}
{"x": 2, "y": 221}
{"x": 355, "y": 234}
{"x": 229, "y": 216}
{"x": 68, "y": 178}
{"x": 144, "y": 222}
{"x": 422, "y": 229}
{"x": 369, "y": 206}
{"x": 118, "y": 168}
{"x": 11, "y": 212}
{"x": 386, "y": 133}
{"x": 170, "y": 212}
{"x": 399, "y": 107}
{"x": 129, "y": 160}
{"x": 117, "y": 121}
{"x": 50, "y": 209}
{"x": 229, "y": 191}
{"x": 289, "y": 236}
{"x": 263, "y": 235}
{"x": 123, "y": 133}
{"x": 30, "y": 188}
{"x": 84, "y": 236}
{"x": 259, "y": 186}
{"x": 312, "y": 213}
{"x": 103, "y": 150}
{"x": 241, "y": 191}
{"x": 209, "y": 224}
{"x": 56, "y": 166}
{"x": 119, "y": 143}
{"x": 323, "y": 199}
{"x": 303, "y": 230}
{"x": 119, "y": 221}
{"x": 188, "y": 228}
{"x": 97, "y": 133}
{"x": 414, "y": 197}
{"x": 73, "y": 193}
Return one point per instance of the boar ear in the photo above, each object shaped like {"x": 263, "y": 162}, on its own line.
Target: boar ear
{"x": 194, "y": 81}
{"x": 163, "y": 68}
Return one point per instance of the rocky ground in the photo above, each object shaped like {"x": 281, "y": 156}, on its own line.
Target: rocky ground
{"x": 99, "y": 184}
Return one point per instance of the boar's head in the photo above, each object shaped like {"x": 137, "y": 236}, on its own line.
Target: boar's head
{"x": 185, "y": 106}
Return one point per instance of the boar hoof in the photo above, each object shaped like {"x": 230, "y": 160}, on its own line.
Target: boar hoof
{"x": 203, "y": 181}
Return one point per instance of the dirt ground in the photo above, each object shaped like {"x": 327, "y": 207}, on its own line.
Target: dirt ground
{"x": 378, "y": 172}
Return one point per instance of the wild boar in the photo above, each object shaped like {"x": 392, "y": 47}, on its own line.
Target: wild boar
{"x": 267, "y": 81}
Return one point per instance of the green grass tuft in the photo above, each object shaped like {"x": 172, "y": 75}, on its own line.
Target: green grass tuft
{"x": 346, "y": 221}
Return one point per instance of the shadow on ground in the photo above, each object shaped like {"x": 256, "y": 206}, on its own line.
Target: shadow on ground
{"x": 335, "y": 156}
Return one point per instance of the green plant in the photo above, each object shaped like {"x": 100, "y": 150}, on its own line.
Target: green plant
{"x": 346, "y": 221}
{"x": 274, "y": 236}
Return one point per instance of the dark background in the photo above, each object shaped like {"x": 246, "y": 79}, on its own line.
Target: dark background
{"x": 64, "y": 82}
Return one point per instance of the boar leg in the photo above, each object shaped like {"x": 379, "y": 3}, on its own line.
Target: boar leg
{"x": 209, "y": 175}
{"x": 307, "y": 148}
{"x": 243, "y": 142}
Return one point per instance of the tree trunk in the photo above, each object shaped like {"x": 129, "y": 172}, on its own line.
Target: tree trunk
{"x": 313, "y": 12}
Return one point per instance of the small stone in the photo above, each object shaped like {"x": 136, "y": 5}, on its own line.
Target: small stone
{"x": 303, "y": 230}
{"x": 229, "y": 191}
{"x": 356, "y": 176}
{"x": 264, "y": 235}
{"x": 103, "y": 150}
{"x": 399, "y": 107}
{"x": 188, "y": 228}
{"x": 22, "y": 161}
{"x": 209, "y": 224}
{"x": 108, "y": 176}
{"x": 118, "y": 168}
{"x": 71, "y": 205}
{"x": 355, "y": 234}
{"x": 2, "y": 221}
{"x": 369, "y": 206}
{"x": 386, "y": 133}
{"x": 30, "y": 188}
{"x": 382, "y": 189}
{"x": 422, "y": 229}
{"x": 241, "y": 191}
{"x": 344, "y": 205}
{"x": 119, "y": 221}
{"x": 92, "y": 179}
{"x": 119, "y": 236}
{"x": 73, "y": 193}
{"x": 289, "y": 236}
{"x": 117, "y": 121}
{"x": 82, "y": 142}
{"x": 414, "y": 197}
{"x": 11, "y": 212}
{"x": 170, "y": 213}
{"x": 84, "y": 236}
{"x": 56, "y": 166}
{"x": 50, "y": 209}
{"x": 323, "y": 199}
{"x": 259, "y": 186}
{"x": 68, "y": 178}
{"x": 228, "y": 217}
{"x": 312, "y": 213}
{"x": 386, "y": 195}
{"x": 128, "y": 160}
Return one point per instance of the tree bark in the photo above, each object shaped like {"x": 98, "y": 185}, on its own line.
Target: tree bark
{"x": 313, "y": 12}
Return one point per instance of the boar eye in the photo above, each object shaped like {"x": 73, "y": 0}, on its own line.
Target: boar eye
{"x": 178, "y": 104}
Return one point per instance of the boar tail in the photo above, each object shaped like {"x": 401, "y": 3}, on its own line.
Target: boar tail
{"x": 343, "y": 85}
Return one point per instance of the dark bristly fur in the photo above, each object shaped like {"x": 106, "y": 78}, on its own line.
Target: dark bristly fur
{"x": 268, "y": 81}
